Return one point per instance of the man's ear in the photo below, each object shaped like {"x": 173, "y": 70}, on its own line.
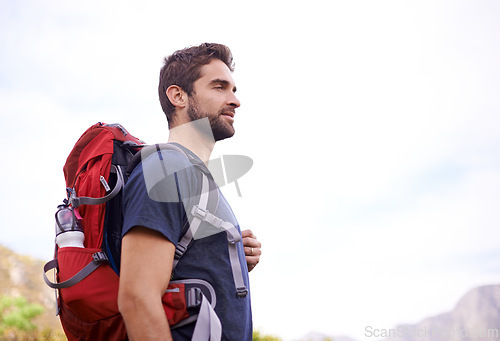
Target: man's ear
{"x": 177, "y": 96}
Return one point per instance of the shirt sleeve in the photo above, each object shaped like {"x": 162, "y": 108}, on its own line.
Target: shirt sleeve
{"x": 157, "y": 192}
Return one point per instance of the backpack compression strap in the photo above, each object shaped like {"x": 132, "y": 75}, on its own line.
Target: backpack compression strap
{"x": 78, "y": 201}
{"x": 98, "y": 259}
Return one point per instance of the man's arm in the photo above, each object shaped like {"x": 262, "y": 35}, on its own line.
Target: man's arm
{"x": 146, "y": 266}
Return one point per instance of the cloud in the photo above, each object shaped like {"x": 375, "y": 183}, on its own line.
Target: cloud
{"x": 373, "y": 129}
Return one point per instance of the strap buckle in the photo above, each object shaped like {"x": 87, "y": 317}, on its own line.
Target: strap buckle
{"x": 100, "y": 257}
{"x": 179, "y": 250}
{"x": 73, "y": 200}
{"x": 193, "y": 297}
{"x": 198, "y": 212}
{"x": 241, "y": 292}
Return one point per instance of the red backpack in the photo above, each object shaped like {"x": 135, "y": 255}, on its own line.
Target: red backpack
{"x": 86, "y": 278}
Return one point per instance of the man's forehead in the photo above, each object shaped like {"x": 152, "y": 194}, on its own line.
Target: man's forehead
{"x": 216, "y": 70}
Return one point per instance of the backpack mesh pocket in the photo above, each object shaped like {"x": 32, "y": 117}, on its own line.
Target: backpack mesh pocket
{"x": 96, "y": 296}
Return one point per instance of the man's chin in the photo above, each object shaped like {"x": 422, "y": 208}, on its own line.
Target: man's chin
{"x": 222, "y": 135}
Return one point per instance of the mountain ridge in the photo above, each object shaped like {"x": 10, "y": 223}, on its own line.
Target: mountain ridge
{"x": 475, "y": 317}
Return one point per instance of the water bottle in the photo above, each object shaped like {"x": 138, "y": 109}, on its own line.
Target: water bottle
{"x": 69, "y": 231}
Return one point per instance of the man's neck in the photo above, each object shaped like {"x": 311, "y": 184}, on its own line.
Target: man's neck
{"x": 195, "y": 136}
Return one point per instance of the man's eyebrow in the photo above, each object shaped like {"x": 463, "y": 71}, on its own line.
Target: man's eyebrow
{"x": 222, "y": 82}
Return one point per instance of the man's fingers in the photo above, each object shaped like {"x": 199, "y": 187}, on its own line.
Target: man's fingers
{"x": 252, "y": 248}
{"x": 251, "y": 242}
{"x": 248, "y": 234}
{"x": 253, "y": 251}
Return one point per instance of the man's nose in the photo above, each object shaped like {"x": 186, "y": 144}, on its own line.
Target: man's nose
{"x": 234, "y": 101}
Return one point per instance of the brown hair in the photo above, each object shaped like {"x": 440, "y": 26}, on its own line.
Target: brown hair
{"x": 183, "y": 67}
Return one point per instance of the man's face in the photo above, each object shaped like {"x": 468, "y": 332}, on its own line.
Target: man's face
{"x": 213, "y": 97}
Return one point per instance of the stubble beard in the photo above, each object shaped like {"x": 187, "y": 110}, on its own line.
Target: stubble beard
{"x": 220, "y": 129}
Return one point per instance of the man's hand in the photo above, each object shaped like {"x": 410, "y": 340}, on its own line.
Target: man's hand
{"x": 252, "y": 249}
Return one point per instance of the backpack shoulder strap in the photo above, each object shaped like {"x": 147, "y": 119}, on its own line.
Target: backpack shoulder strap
{"x": 200, "y": 213}
{"x": 154, "y": 148}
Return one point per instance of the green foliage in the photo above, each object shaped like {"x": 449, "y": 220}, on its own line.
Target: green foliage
{"x": 17, "y": 313}
{"x": 258, "y": 337}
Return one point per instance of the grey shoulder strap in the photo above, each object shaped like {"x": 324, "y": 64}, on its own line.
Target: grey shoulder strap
{"x": 200, "y": 214}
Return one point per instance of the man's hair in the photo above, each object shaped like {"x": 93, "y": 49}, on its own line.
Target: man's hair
{"x": 183, "y": 68}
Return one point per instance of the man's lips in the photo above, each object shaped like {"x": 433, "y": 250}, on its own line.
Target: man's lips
{"x": 230, "y": 114}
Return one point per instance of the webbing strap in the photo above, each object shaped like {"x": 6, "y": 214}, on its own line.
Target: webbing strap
{"x": 233, "y": 236}
{"x": 208, "y": 326}
{"x": 241, "y": 289}
{"x": 200, "y": 214}
{"x": 98, "y": 259}
{"x": 195, "y": 223}
{"x": 78, "y": 201}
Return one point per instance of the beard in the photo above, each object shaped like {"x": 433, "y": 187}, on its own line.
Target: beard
{"x": 220, "y": 128}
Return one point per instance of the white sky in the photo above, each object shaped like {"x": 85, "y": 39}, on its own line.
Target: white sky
{"x": 374, "y": 128}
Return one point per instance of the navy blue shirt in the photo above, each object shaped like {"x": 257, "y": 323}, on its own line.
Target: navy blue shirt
{"x": 159, "y": 192}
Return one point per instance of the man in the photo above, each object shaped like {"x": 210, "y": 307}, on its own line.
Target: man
{"x": 197, "y": 94}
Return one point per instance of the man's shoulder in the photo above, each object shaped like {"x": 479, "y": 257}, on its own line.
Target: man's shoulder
{"x": 166, "y": 160}
{"x": 163, "y": 175}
